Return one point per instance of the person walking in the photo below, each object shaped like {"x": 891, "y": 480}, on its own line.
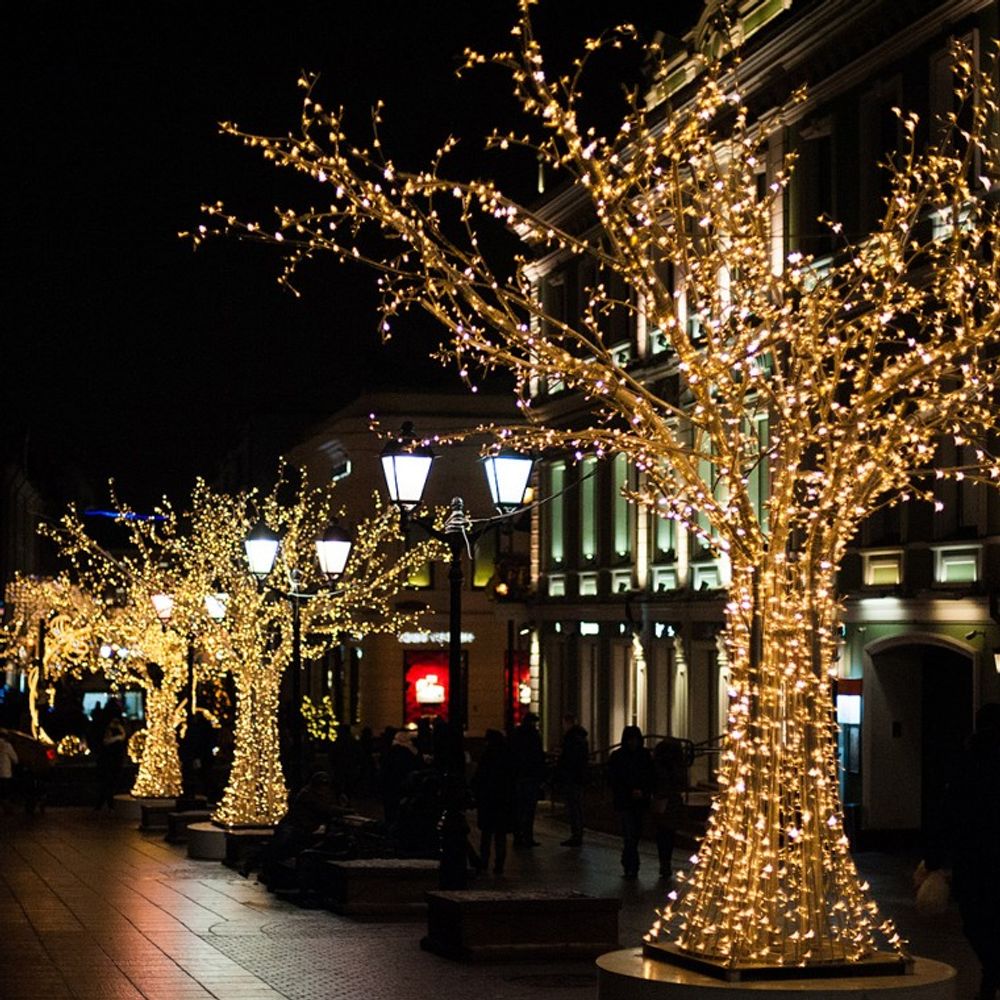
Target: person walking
{"x": 529, "y": 773}
{"x": 571, "y": 776}
{"x": 493, "y": 788}
{"x": 8, "y": 758}
{"x": 669, "y": 785}
{"x": 971, "y": 838}
{"x": 630, "y": 769}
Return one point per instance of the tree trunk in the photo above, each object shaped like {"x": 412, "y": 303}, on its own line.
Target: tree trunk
{"x": 160, "y": 767}
{"x": 774, "y": 881}
{"x": 255, "y": 794}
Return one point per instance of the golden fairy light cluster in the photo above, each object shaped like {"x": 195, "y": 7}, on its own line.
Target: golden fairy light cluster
{"x": 254, "y": 638}
{"x": 221, "y": 616}
{"x": 50, "y": 632}
{"x": 320, "y": 718}
{"x": 838, "y": 385}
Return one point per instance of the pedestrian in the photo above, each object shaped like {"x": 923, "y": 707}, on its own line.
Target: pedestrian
{"x": 301, "y": 827}
{"x": 529, "y": 773}
{"x": 197, "y": 751}
{"x": 971, "y": 839}
{"x": 630, "y": 769}
{"x": 8, "y": 758}
{"x": 110, "y": 760}
{"x": 669, "y": 785}
{"x": 571, "y": 775}
{"x": 493, "y": 788}
{"x": 401, "y": 760}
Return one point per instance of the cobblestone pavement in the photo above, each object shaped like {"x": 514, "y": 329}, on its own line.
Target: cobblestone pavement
{"x": 91, "y": 908}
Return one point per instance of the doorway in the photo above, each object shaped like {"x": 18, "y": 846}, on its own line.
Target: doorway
{"x": 918, "y": 714}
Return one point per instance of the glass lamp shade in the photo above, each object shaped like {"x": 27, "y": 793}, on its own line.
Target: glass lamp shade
{"x": 215, "y": 605}
{"x": 508, "y": 474}
{"x": 333, "y": 551}
{"x": 406, "y": 468}
{"x": 163, "y": 605}
{"x": 261, "y": 548}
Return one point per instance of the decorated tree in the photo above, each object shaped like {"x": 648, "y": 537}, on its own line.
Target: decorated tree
{"x": 151, "y": 618}
{"x": 865, "y": 369}
{"x": 51, "y": 631}
{"x": 255, "y": 636}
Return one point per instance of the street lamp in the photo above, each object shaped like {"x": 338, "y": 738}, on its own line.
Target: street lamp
{"x": 163, "y": 606}
{"x": 333, "y": 549}
{"x": 406, "y": 465}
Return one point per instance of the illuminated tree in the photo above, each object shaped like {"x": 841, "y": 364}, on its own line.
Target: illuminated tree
{"x": 151, "y": 616}
{"x": 864, "y": 370}
{"x": 254, "y": 639}
{"x": 51, "y": 631}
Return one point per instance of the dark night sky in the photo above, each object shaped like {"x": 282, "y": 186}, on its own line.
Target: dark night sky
{"x": 123, "y": 352}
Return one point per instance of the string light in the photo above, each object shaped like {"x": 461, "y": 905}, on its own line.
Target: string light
{"x": 254, "y": 637}
{"x": 862, "y": 371}
{"x": 320, "y": 718}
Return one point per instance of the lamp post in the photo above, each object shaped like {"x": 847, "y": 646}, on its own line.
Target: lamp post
{"x": 333, "y": 549}
{"x": 406, "y": 466}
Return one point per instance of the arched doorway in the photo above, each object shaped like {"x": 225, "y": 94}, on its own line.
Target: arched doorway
{"x": 918, "y": 713}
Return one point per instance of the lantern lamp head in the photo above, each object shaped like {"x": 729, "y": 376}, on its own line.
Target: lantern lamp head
{"x": 261, "y": 547}
{"x": 406, "y": 466}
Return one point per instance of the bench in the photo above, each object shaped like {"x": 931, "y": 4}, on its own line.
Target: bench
{"x": 486, "y": 924}
{"x": 178, "y": 823}
{"x": 240, "y": 842}
{"x": 153, "y": 813}
{"x": 378, "y": 887}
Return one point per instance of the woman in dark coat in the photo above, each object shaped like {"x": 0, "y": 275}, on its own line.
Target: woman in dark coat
{"x": 493, "y": 787}
{"x": 630, "y": 769}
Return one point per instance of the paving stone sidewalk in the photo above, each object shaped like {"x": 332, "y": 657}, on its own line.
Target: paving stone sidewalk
{"x": 91, "y": 908}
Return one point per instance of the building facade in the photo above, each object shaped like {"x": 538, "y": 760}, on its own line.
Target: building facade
{"x": 393, "y": 680}
{"x": 629, "y": 606}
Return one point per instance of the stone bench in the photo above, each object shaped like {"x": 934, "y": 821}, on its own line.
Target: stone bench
{"x": 206, "y": 842}
{"x": 129, "y": 807}
{"x": 241, "y": 841}
{"x": 379, "y": 887}
{"x": 178, "y": 823}
{"x": 154, "y": 812}
{"x": 488, "y": 925}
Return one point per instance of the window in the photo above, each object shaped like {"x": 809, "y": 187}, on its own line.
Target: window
{"x": 666, "y": 537}
{"x": 883, "y": 569}
{"x": 557, "y": 585}
{"x": 422, "y": 578}
{"x": 485, "y": 560}
{"x": 815, "y": 188}
{"x": 706, "y": 577}
{"x": 555, "y": 513}
{"x": 664, "y": 579}
{"x": 957, "y": 565}
{"x": 588, "y": 509}
{"x": 588, "y": 584}
{"x": 621, "y": 581}
{"x": 622, "y": 510}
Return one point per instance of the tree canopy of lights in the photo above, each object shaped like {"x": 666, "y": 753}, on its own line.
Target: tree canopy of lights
{"x": 254, "y": 637}
{"x": 870, "y": 372}
{"x": 51, "y": 631}
{"x": 152, "y": 613}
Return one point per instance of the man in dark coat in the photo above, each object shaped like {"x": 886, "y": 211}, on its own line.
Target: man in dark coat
{"x": 571, "y": 774}
{"x": 630, "y": 769}
{"x": 669, "y": 786}
{"x": 529, "y": 773}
